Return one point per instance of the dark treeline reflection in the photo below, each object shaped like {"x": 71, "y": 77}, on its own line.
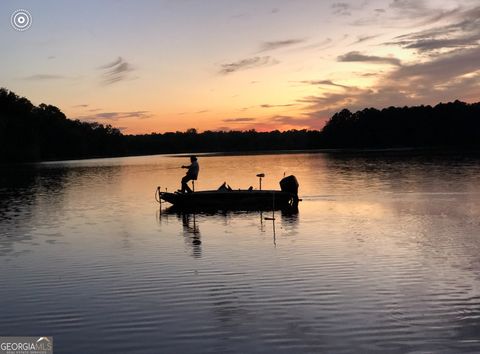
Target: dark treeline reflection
{"x": 33, "y": 133}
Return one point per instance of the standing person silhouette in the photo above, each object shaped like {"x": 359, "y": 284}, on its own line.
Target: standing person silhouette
{"x": 191, "y": 175}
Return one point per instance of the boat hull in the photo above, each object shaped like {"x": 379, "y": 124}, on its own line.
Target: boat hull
{"x": 232, "y": 200}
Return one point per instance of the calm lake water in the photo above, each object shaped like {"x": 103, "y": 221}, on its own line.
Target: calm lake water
{"x": 383, "y": 256}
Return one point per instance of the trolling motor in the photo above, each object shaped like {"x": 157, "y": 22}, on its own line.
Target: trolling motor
{"x": 260, "y": 176}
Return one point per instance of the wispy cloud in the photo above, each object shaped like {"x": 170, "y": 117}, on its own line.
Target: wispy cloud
{"x": 265, "y": 46}
{"x": 361, "y": 39}
{"x": 441, "y": 68}
{"x": 408, "y": 14}
{"x": 346, "y": 8}
{"x": 323, "y": 44}
{"x": 248, "y": 63}
{"x": 115, "y": 71}
{"x": 277, "y": 105}
{"x": 410, "y": 6}
{"x": 43, "y": 77}
{"x": 116, "y": 115}
{"x": 359, "y": 57}
{"x": 420, "y": 9}
{"x": 323, "y": 83}
{"x": 238, "y": 120}
{"x": 341, "y": 8}
{"x": 463, "y": 31}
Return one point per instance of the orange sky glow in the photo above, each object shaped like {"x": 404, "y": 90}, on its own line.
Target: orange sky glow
{"x": 157, "y": 66}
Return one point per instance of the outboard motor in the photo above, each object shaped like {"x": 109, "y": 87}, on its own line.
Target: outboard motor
{"x": 290, "y": 184}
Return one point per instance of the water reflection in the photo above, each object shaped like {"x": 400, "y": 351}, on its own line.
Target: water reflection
{"x": 26, "y": 194}
{"x": 191, "y": 232}
{"x": 382, "y": 256}
{"x": 268, "y": 222}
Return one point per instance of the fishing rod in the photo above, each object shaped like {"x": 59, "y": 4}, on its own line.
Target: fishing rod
{"x": 168, "y": 168}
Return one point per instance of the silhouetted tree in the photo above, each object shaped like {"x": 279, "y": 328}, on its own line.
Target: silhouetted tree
{"x": 30, "y": 133}
{"x": 455, "y": 124}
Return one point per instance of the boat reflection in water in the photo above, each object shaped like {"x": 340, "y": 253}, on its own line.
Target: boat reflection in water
{"x": 191, "y": 221}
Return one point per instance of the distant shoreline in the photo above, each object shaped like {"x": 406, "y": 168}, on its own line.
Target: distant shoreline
{"x": 31, "y": 133}
{"x": 427, "y": 151}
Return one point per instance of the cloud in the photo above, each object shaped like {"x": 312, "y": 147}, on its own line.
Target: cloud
{"x": 444, "y": 77}
{"x": 197, "y": 112}
{"x": 408, "y": 5}
{"x": 446, "y": 67}
{"x": 238, "y": 120}
{"x": 341, "y": 8}
{"x": 323, "y": 44}
{"x": 43, "y": 77}
{"x": 409, "y": 14}
{"x": 370, "y": 74}
{"x": 359, "y": 57}
{"x": 81, "y": 105}
{"x": 323, "y": 83}
{"x": 248, "y": 63}
{"x": 115, "y": 71}
{"x": 464, "y": 31}
{"x": 442, "y": 68}
{"x": 433, "y": 44}
{"x": 116, "y": 115}
{"x": 112, "y": 64}
{"x": 265, "y": 46}
{"x": 361, "y": 39}
{"x": 419, "y": 9}
{"x": 276, "y": 105}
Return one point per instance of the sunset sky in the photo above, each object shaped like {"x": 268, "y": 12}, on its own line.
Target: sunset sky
{"x": 155, "y": 66}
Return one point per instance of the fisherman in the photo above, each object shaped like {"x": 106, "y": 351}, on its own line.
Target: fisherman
{"x": 191, "y": 175}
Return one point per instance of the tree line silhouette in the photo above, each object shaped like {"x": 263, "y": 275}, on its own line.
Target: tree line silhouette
{"x": 446, "y": 125}
{"x": 34, "y": 133}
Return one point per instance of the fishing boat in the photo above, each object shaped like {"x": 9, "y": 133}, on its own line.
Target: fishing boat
{"x": 237, "y": 199}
